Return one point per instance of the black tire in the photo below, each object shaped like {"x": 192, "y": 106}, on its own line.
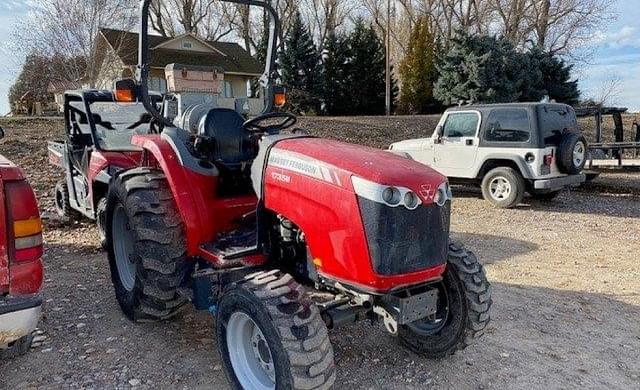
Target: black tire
{"x": 515, "y": 184}
{"x": 158, "y": 246}
{"x": 17, "y": 348}
{"x": 468, "y": 294}
{"x": 61, "y": 202}
{"x": 297, "y": 337}
{"x": 566, "y": 162}
{"x": 545, "y": 196}
{"x": 101, "y": 217}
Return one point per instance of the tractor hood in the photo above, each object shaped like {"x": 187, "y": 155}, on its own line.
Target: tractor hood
{"x": 346, "y": 159}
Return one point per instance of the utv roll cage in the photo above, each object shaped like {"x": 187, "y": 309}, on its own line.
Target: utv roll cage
{"x": 142, "y": 74}
{"x": 86, "y": 98}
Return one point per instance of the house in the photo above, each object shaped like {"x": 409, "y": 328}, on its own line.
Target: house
{"x": 58, "y": 87}
{"x": 116, "y": 57}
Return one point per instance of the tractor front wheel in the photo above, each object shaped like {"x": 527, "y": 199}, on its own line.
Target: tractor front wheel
{"x": 271, "y": 336}
{"x": 464, "y": 302}
{"x": 145, "y": 245}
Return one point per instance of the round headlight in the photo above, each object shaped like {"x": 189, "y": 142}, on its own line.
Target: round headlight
{"x": 441, "y": 196}
{"x": 391, "y": 196}
{"x": 411, "y": 200}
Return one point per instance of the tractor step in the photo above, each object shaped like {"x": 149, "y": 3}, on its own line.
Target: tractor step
{"x": 229, "y": 250}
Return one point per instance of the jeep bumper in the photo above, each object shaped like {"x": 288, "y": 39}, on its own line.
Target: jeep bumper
{"x": 558, "y": 183}
{"x": 19, "y": 317}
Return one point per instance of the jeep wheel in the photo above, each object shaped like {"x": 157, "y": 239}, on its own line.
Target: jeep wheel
{"x": 464, "y": 306}
{"x": 271, "y": 336}
{"x": 572, "y": 153}
{"x": 145, "y": 245}
{"x": 61, "y": 201}
{"x": 503, "y": 187}
{"x": 101, "y": 211}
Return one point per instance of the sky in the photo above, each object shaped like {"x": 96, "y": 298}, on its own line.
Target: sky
{"x": 616, "y": 54}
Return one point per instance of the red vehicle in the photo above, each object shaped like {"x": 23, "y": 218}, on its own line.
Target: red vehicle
{"x": 283, "y": 236}
{"x": 98, "y": 144}
{"x": 20, "y": 260}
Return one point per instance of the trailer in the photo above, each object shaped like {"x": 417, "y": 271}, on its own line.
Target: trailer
{"x": 619, "y": 153}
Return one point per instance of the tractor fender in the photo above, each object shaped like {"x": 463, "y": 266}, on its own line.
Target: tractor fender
{"x": 181, "y": 182}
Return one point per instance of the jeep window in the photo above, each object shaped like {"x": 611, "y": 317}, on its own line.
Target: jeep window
{"x": 461, "y": 124}
{"x": 553, "y": 122}
{"x": 508, "y": 125}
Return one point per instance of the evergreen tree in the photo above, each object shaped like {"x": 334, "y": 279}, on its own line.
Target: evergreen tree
{"x": 366, "y": 71}
{"x": 335, "y": 89}
{"x": 261, "y": 56}
{"x": 479, "y": 69}
{"x": 549, "y": 76}
{"x": 418, "y": 71}
{"x": 300, "y": 68}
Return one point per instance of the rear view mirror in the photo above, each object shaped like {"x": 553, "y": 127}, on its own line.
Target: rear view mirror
{"x": 125, "y": 91}
{"x": 1, "y": 133}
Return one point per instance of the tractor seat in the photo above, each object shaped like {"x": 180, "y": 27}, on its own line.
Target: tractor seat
{"x": 232, "y": 143}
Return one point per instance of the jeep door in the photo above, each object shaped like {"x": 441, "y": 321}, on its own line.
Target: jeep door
{"x": 456, "y": 147}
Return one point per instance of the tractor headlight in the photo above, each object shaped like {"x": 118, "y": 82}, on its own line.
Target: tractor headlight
{"x": 443, "y": 194}
{"x": 391, "y": 196}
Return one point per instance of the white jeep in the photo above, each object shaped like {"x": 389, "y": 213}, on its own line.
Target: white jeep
{"x": 508, "y": 149}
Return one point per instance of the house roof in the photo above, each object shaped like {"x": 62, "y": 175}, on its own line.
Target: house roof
{"x": 231, "y": 57}
{"x": 59, "y": 86}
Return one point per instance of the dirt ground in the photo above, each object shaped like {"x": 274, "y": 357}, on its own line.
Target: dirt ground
{"x": 565, "y": 278}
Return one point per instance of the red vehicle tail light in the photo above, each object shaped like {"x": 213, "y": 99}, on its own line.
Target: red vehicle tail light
{"x": 548, "y": 159}
{"x": 25, "y": 241}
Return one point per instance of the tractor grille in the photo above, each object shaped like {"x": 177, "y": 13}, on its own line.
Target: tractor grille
{"x": 403, "y": 241}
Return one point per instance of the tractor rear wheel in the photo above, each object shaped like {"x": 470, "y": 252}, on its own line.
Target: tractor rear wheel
{"x": 145, "y": 245}
{"x": 463, "y": 309}
{"x": 271, "y": 336}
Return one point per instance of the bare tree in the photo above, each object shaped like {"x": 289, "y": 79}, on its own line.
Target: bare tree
{"x": 608, "y": 93}
{"x": 561, "y": 26}
{"x": 325, "y": 16}
{"x": 69, "y": 29}
{"x": 209, "y": 19}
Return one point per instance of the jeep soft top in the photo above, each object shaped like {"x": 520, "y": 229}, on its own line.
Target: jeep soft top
{"x": 548, "y": 122}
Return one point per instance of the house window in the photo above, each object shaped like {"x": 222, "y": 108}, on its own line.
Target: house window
{"x": 187, "y": 45}
{"x": 228, "y": 90}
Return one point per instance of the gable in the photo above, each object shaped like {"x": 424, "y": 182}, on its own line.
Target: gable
{"x": 189, "y": 42}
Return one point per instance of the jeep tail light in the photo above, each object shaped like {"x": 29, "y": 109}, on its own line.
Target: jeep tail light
{"x": 25, "y": 227}
{"x": 548, "y": 159}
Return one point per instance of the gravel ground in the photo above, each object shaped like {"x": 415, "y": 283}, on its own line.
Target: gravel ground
{"x": 565, "y": 277}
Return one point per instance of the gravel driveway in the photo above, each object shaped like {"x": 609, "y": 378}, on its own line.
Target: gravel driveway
{"x": 566, "y": 292}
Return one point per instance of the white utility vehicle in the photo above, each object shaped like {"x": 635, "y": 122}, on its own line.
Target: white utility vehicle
{"x": 508, "y": 149}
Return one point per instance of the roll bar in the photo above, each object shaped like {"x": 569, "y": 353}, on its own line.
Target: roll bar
{"x": 266, "y": 80}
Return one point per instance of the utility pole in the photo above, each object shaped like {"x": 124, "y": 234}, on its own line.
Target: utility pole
{"x": 388, "y": 60}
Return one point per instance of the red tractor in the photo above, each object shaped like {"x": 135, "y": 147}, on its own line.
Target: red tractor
{"x": 283, "y": 236}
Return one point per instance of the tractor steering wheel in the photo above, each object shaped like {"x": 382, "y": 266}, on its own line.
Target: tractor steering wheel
{"x": 255, "y": 125}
